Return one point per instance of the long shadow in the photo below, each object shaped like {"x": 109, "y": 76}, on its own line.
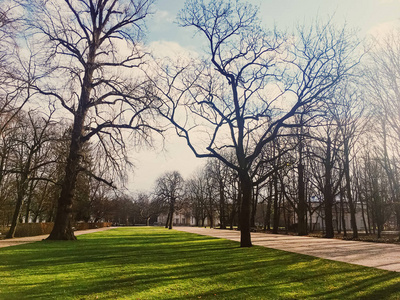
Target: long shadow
{"x": 135, "y": 263}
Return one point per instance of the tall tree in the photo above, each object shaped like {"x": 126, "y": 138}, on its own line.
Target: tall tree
{"x": 236, "y": 95}
{"x": 347, "y": 110}
{"x": 382, "y": 78}
{"x": 89, "y": 46}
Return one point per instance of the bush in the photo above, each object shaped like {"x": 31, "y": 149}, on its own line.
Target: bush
{"x": 32, "y": 229}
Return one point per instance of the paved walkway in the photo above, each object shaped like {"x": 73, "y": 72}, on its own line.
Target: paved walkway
{"x": 377, "y": 255}
{"x": 31, "y": 239}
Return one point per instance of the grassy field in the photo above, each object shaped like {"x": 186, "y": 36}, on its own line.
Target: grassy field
{"x": 154, "y": 263}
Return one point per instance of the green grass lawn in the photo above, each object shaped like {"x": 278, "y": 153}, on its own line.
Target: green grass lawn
{"x": 156, "y": 263}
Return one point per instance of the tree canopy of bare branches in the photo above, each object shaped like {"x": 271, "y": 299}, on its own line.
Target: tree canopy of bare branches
{"x": 90, "y": 50}
{"x": 250, "y": 86}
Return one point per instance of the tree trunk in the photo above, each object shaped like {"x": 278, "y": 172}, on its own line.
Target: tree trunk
{"x": 210, "y": 211}
{"x": 363, "y": 217}
{"x": 232, "y": 217}
{"x": 221, "y": 205}
{"x": 171, "y": 213}
{"x": 369, "y": 218}
{"x": 286, "y": 217}
{"x": 239, "y": 203}
{"x": 170, "y": 221}
{"x": 337, "y": 214}
{"x": 254, "y": 202}
{"x": 246, "y": 188}
{"x": 62, "y": 229}
{"x": 269, "y": 206}
{"x": 22, "y": 187}
{"x": 275, "y": 224}
{"x": 16, "y": 215}
{"x": 342, "y": 213}
{"x": 329, "y": 230}
{"x": 310, "y": 211}
{"x": 302, "y": 206}
{"x": 348, "y": 190}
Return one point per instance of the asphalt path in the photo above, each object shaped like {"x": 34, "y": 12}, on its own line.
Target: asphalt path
{"x": 376, "y": 255}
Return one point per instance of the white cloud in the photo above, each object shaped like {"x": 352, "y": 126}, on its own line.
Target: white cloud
{"x": 172, "y": 50}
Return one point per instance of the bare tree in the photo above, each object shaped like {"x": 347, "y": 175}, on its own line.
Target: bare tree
{"x": 33, "y": 135}
{"x": 196, "y": 193}
{"x": 170, "y": 189}
{"x": 347, "y": 110}
{"x": 326, "y": 169}
{"x": 89, "y": 48}
{"x": 148, "y": 207}
{"x": 382, "y": 78}
{"x": 250, "y": 87}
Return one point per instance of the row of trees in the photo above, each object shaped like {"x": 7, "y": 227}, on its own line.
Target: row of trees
{"x": 283, "y": 118}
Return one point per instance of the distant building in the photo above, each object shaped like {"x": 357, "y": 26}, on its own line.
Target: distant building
{"x": 181, "y": 219}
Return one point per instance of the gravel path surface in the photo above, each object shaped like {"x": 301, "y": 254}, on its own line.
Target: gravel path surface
{"x": 31, "y": 239}
{"x": 377, "y": 255}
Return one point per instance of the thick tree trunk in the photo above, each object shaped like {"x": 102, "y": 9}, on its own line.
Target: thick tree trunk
{"x": 62, "y": 229}
{"x": 246, "y": 187}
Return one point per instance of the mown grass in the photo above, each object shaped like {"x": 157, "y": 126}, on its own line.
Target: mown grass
{"x": 154, "y": 263}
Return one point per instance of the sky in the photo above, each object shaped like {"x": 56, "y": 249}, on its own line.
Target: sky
{"x": 166, "y": 37}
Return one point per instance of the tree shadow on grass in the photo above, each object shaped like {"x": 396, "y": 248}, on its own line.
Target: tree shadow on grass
{"x": 161, "y": 264}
